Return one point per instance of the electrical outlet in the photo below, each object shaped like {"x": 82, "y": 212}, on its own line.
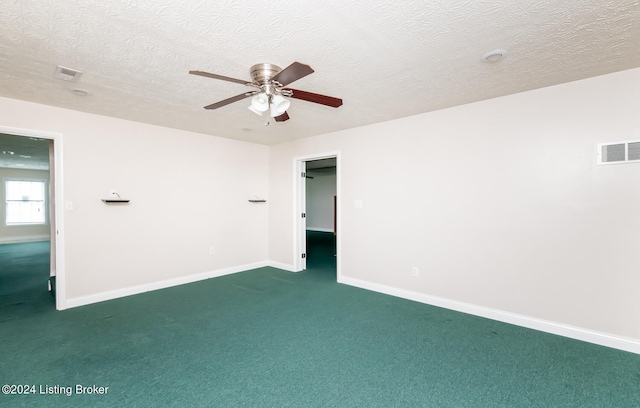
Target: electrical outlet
{"x": 212, "y": 250}
{"x": 415, "y": 272}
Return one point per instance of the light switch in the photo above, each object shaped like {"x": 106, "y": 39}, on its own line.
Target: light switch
{"x": 68, "y": 205}
{"x": 357, "y": 203}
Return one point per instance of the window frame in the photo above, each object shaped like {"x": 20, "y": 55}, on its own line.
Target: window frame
{"x": 45, "y": 201}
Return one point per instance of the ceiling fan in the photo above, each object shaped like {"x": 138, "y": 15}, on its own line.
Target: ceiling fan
{"x": 270, "y": 93}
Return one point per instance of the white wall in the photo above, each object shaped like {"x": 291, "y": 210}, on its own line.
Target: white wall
{"x": 320, "y": 190}
{"x": 499, "y": 203}
{"x": 188, "y": 192}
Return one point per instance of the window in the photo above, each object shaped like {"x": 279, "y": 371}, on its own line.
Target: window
{"x": 25, "y": 202}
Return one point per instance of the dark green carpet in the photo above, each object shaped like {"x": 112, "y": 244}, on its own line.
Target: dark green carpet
{"x": 24, "y": 273}
{"x": 269, "y": 338}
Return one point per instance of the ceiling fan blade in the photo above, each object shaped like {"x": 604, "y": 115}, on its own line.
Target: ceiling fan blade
{"x": 292, "y": 73}
{"x": 229, "y": 100}
{"x": 282, "y": 118}
{"x": 316, "y": 98}
{"x": 216, "y": 76}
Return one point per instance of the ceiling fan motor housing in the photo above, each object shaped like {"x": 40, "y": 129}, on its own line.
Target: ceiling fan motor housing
{"x": 261, "y": 75}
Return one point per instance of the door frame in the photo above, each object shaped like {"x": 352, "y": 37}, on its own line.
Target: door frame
{"x": 56, "y": 203}
{"x": 299, "y": 207}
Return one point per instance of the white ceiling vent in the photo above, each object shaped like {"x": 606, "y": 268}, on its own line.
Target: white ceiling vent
{"x": 619, "y": 152}
{"x": 67, "y": 74}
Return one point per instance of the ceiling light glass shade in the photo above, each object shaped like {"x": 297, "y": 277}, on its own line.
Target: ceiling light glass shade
{"x": 254, "y": 110}
{"x": 279, "y": 105}
{"x": 260, "y": 102}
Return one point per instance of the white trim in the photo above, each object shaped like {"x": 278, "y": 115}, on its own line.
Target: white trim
{"x": 28, "y": 132}
{"x": 338, "y": 230}
{"x": 135, "y": 290}
{"x": 46, "y": 204}
{"x": 279, "y": 265}
{"x": 577, "y": 333}
{"x": 58, "y": 217}
{"x": 319, "y": 229}
{"x": 296, "y": 205}
{"x": 25, "y": 238}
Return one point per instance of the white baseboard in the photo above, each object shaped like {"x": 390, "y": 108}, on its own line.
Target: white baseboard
{"x": 319, "y": 229}
{"x": 134, "y": 290}
{"x": 26, "y": 238}
{"x": 577, "y": 333}
{"x": 282, "y": 266}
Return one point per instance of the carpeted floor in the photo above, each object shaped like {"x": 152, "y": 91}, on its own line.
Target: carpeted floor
{"x": 270, "y": 338}
{"x": 24, "y": 274}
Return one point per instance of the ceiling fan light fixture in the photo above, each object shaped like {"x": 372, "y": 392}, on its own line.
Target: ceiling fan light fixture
{"x": 260, "y": 102}
{"x": 254, "y": 110}
{"x": 279, "y": 105}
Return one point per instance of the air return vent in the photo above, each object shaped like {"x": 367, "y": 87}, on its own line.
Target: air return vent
{"x": 66, "y": 74}
{"x": 619, "y": 152}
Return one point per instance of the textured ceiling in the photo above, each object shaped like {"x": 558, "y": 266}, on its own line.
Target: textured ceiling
{"x": 24, "y": 152}
{"x": 385, "y": 59}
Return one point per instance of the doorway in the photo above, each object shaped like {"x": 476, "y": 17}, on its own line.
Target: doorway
{"x": 32, "y": 250}
{"x": 317, "y": 215}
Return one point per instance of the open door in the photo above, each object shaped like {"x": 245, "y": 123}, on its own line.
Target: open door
{"x": 300, "y": 249}
{"x": 300, "y": 209}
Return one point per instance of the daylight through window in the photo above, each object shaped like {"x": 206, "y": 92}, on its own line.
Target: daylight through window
{"x": 25, "y": 202}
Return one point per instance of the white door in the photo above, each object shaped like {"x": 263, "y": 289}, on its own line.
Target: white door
{"x": 301, "y": 215}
